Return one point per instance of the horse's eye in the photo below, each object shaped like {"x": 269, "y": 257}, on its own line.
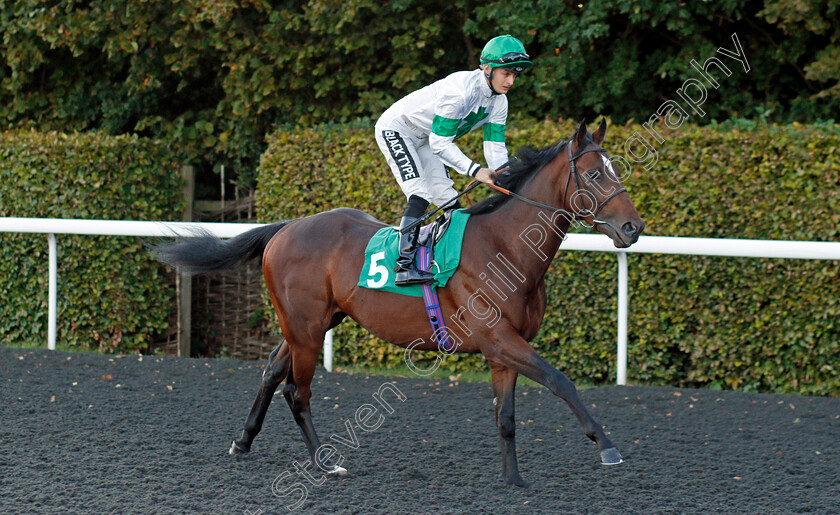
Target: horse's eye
{"x": 593, "y": 174}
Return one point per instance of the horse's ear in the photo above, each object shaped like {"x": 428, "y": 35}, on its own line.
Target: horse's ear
{"x": 598, "y": 137}
{"x": 580, "y": 137}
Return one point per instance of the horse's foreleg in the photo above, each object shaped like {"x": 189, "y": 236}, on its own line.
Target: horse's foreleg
{"x": 504, "y": 382}
{"x": 297, "y": 393}
{"x": 275, "y": 371}
{"x": 512, "y": 350}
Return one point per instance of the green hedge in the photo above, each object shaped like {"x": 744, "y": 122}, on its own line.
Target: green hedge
{"x": 111, "y": 295}
{"x": 215, "y": 77}
{"x": 752, "y": 324}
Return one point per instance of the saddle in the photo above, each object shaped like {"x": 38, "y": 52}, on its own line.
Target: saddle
{"x": 432, "y": 233}
{"x": 445, "y": 235}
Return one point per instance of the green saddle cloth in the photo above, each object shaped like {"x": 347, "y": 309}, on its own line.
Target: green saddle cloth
{"x": 381, "y": 256}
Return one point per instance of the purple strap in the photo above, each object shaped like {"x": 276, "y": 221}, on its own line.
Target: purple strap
{"x": 430, "y": 298}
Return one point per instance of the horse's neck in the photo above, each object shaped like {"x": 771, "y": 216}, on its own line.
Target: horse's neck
{"x": 529, "y": 236}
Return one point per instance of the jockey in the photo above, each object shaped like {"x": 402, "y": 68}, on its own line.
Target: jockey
{"x": 417, "y": 136}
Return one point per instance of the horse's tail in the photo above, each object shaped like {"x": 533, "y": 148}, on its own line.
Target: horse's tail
{"x": 207, "y": 253}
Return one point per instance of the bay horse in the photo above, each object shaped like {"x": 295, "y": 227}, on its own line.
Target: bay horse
{"x": 312, "y": 265}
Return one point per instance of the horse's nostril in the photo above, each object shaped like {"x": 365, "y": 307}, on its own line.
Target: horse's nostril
{"x": 629, "y": 229}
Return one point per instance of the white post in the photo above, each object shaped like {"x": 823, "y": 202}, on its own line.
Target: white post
{"x": 328, "y": 351}
{"x": 53, "y": 294}
{"x": 184, "y": 283}
{"x": 621, "y": 365}
{"x": 223, "y": 192}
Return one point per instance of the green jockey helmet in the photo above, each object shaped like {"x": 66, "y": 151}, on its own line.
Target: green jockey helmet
{"x": 506, "y": 52}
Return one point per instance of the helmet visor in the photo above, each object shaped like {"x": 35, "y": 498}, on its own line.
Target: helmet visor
{"x": 513, "y": 61}
{"x": 514, "y": 57}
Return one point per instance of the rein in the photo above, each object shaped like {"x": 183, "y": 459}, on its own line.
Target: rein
{"x": 532, "y": 202}
{"x": 428, "y": 215}
{"x": 573, "y": 172}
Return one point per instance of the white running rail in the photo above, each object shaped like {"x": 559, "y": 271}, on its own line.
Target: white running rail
{"x": 587, "y": 242}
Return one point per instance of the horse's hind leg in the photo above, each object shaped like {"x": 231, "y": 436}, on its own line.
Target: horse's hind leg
{"x": 504, "y": 382}
{"x": 278, "y": 367}
{"x": 297, "y": 392}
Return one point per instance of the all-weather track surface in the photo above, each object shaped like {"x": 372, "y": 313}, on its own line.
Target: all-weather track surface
{"x": 88, "y": 433}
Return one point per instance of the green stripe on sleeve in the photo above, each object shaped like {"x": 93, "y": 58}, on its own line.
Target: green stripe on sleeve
{"x": 445, "y": 126}
{"x": 494, "y": 132}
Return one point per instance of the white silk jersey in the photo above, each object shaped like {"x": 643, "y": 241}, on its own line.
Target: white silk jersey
{"x": 446, "y": 110}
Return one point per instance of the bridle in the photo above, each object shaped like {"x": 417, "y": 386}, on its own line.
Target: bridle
{"x": 573, "y": 172}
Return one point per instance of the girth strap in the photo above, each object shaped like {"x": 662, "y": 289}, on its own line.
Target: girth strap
{"x": 439, "y": 332}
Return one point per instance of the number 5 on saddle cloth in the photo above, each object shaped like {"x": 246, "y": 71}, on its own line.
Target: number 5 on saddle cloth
{"x": 382, "y": 251}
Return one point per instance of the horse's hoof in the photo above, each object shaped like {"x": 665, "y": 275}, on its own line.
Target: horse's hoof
{"x": 337, "y": 471}
{"x": 237, "y": 449}
{"x": 611, "y": 456}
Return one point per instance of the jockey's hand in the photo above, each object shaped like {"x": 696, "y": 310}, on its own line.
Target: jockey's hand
{"x": 485, "y": 175}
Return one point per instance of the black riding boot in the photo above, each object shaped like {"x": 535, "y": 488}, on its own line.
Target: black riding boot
{"x": 407, "y": 272}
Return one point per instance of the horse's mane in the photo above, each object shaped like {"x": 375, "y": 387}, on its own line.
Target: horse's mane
{"x": 528, "y": 162}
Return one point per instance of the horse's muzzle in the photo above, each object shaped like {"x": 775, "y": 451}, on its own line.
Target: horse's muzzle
{"x": 630, "y": 232}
